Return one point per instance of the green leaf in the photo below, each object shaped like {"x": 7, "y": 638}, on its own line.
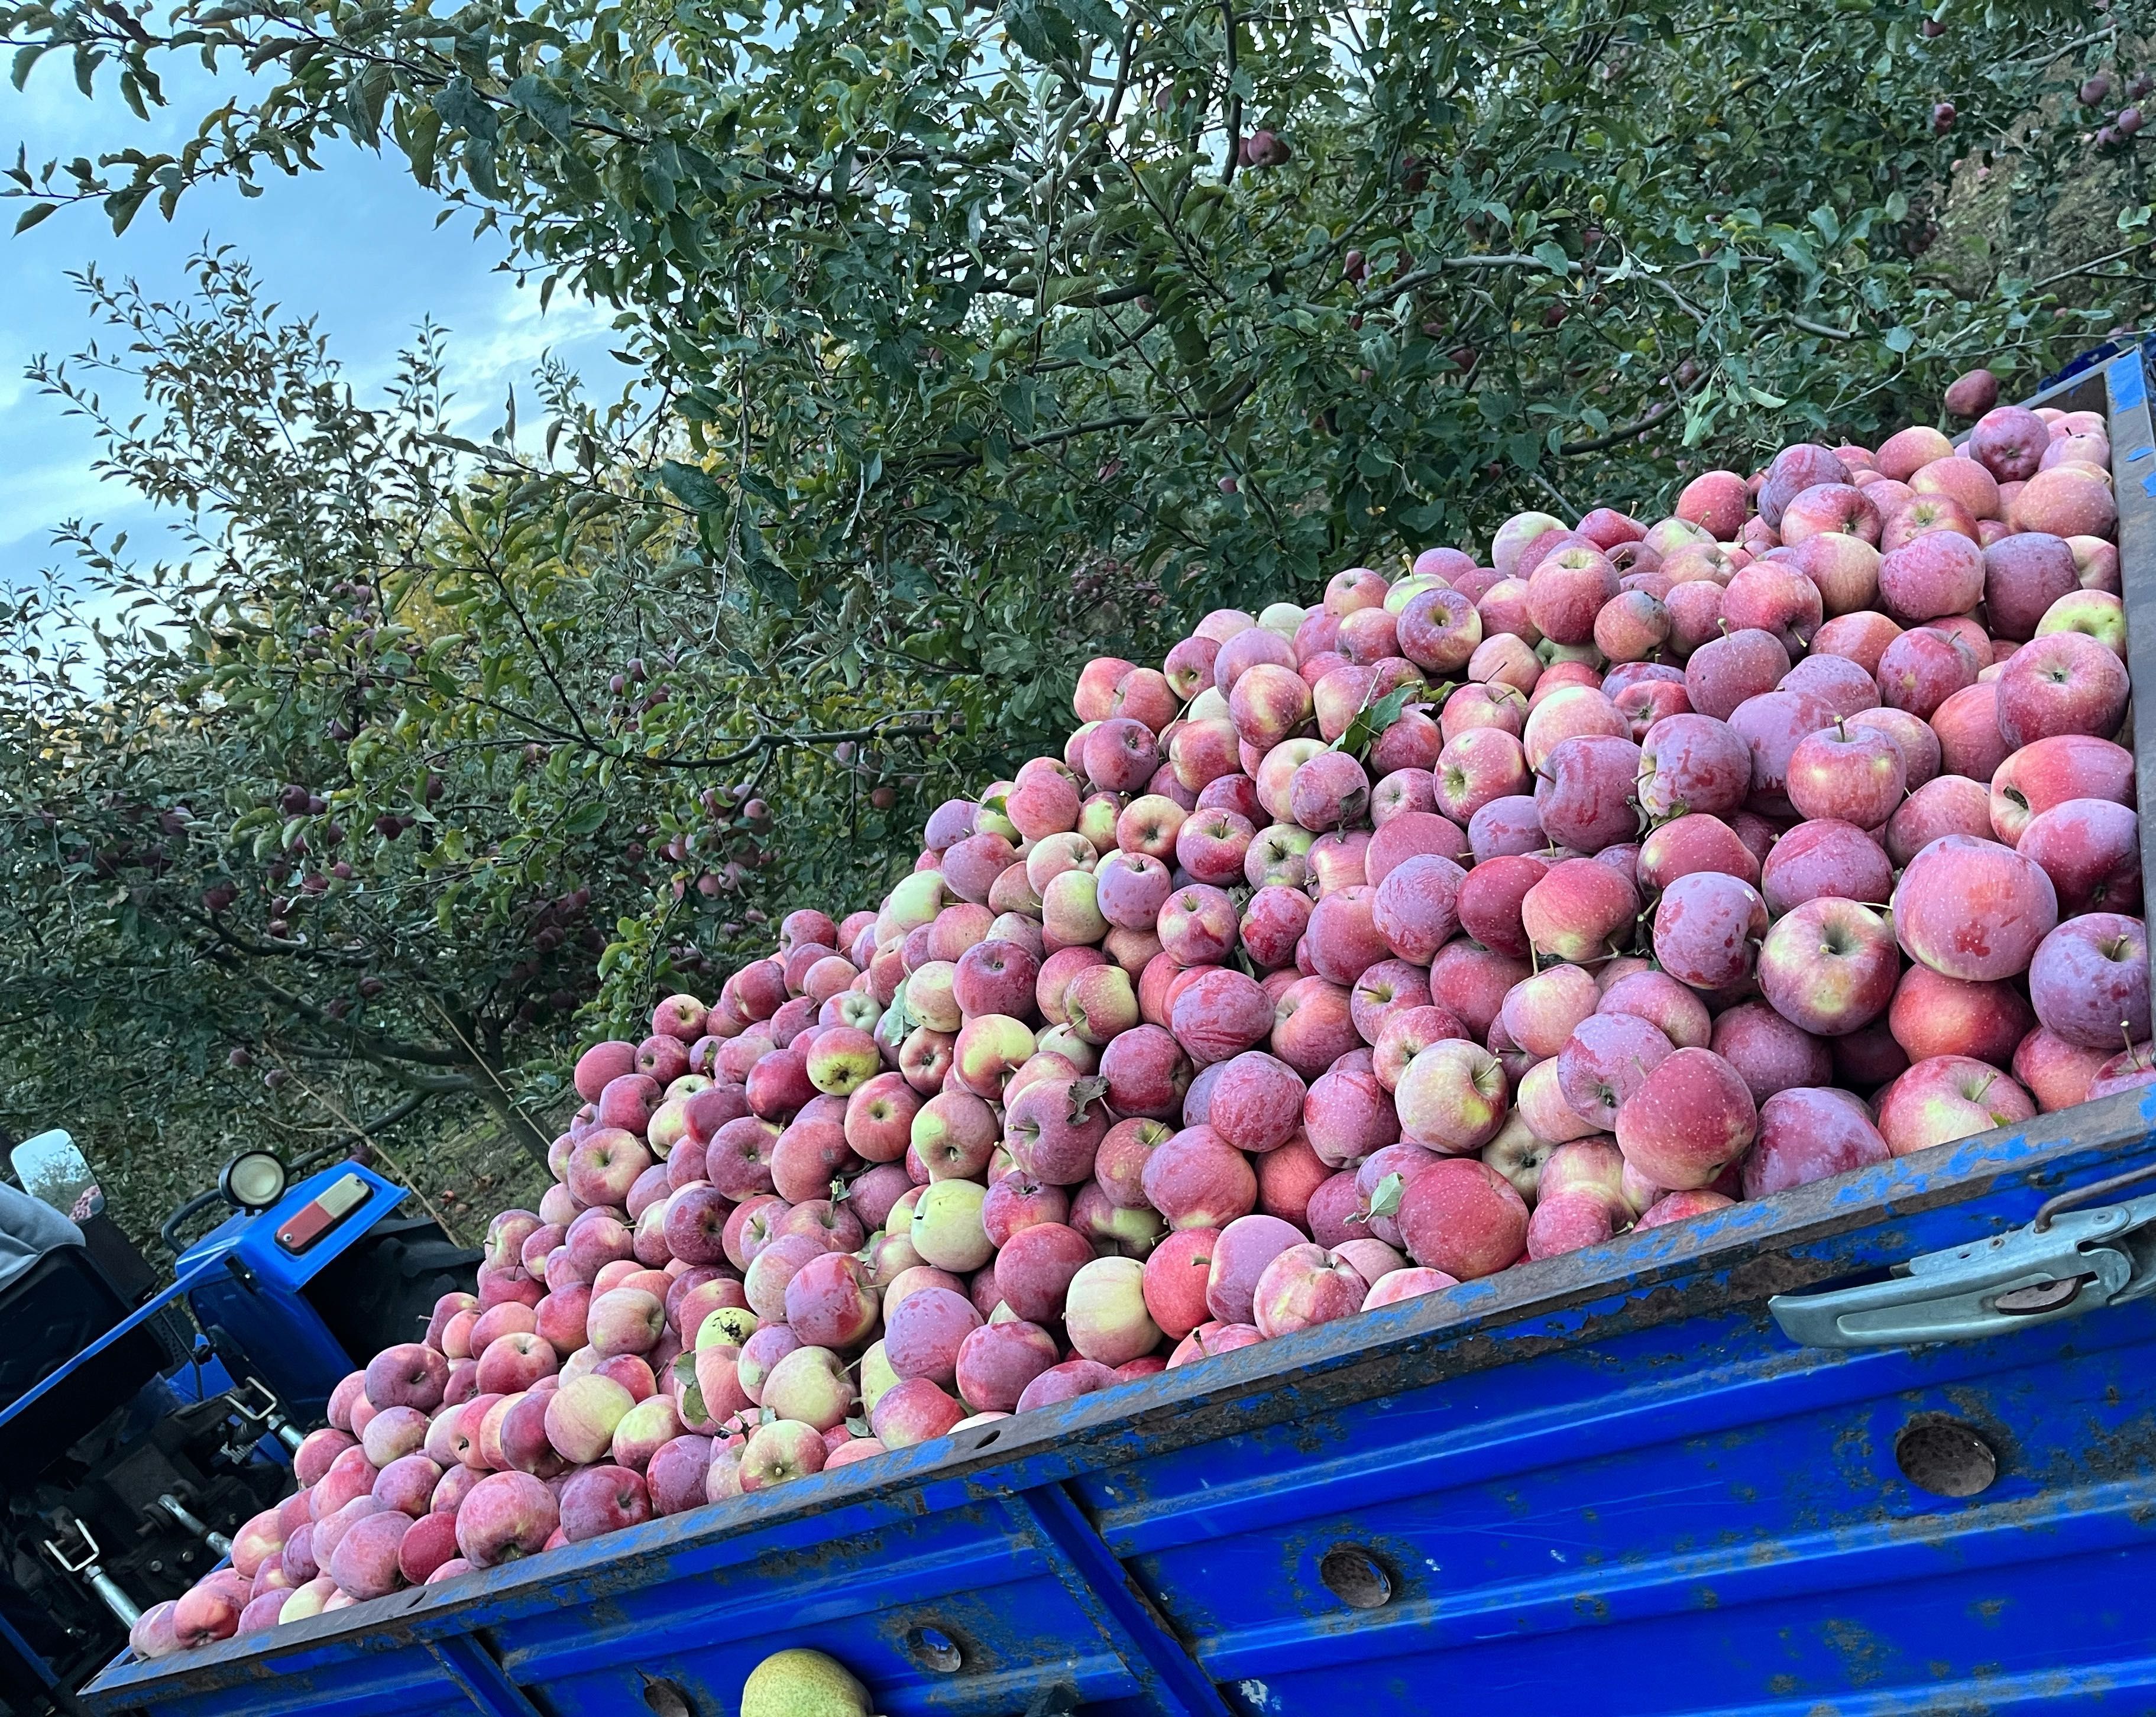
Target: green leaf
{"x": 424, "y": 129}
{"x": 1039, "y": 30}
{"x": 1373, "y": 719}
{"x": 461, "y": 105}
{"x": 1085, "y": 1093}
{"x": 1095, "y": 18}
{"x": 1385, "y": 1198}
{"x": 544, "y": 104}
{"x": 122, "y": 205}
{"x": 35, "y": 213}
{"x": 366, "y": 93}
{"x": 1899, "y": 339}
{"x": 692, "y": 486}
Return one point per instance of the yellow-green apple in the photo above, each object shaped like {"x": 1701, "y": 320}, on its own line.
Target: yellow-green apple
{"x": 946, "y": 1229}
{"x": 644, "y": 1429}
{"x": 758, "y": 1354}
{"x": 1100, "y": 1004}
{"x": 1452, "y": 1097}
{"x": 1105, "y": 1312}
{"x": 1946, "y": 1097}
{"x": 778, "y": 1451}
{"x": 811, "y": 1385}
{"x": 987, "y": 1051}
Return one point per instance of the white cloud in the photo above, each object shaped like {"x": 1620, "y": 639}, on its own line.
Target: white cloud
{"x": 33, "y": 501}
{"x": 354, "y": 245}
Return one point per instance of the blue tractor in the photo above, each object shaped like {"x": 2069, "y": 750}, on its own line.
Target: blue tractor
{"x": 141, "y": 1423}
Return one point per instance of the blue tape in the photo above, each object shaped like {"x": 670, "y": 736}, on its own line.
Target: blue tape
{"x": 2129, "y": 382}
{"x": 2139, "y": 454}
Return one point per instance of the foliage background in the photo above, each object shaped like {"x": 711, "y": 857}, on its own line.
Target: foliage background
{"x": 970, "y": 342}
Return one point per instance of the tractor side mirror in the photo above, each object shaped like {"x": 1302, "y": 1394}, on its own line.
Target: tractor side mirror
{"x": 51, "y": 1168}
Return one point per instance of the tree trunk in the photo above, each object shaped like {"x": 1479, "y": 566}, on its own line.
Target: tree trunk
{"x": 519, "y": 1125}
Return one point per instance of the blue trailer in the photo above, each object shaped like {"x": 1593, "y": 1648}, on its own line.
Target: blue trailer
{"x": 1882, "y": 1444}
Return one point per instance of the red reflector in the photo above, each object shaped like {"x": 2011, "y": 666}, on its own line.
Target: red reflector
{"x": 313, "y": 1220}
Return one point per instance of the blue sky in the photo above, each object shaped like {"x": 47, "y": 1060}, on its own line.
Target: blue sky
{"x": 354, "y": 246}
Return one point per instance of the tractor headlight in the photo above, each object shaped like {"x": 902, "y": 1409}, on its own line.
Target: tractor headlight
{"x": 252, "y": 1180}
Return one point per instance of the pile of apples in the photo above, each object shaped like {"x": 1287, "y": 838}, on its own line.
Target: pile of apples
{"x": 1356, "y": 951}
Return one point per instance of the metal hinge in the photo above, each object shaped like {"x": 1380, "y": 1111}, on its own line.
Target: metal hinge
{"x": 84, "y": 1564}
{"x": 2064, "y": 1263}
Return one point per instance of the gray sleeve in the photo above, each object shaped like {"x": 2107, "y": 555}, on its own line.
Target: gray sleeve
{"x": 29, "y": 1228}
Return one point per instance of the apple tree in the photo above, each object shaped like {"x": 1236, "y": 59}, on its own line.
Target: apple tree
{"x": 970, "y": 340}
{"x": 419, "y": 750}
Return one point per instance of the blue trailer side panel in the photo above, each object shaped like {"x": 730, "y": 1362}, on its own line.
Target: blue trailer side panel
{"x": 1727, "y": 1520}
{"x": 1608, "y": 1471}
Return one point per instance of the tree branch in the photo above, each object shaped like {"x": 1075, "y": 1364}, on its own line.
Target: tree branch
{"x": 1234, "y": 99}
{"x": 1623, "y": 431}
{"x": 1818, "y": 328}
{"x": 1422, "y": 277}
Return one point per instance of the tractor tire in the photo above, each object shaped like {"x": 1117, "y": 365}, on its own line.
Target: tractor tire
{"x": 382, "y": 1290}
